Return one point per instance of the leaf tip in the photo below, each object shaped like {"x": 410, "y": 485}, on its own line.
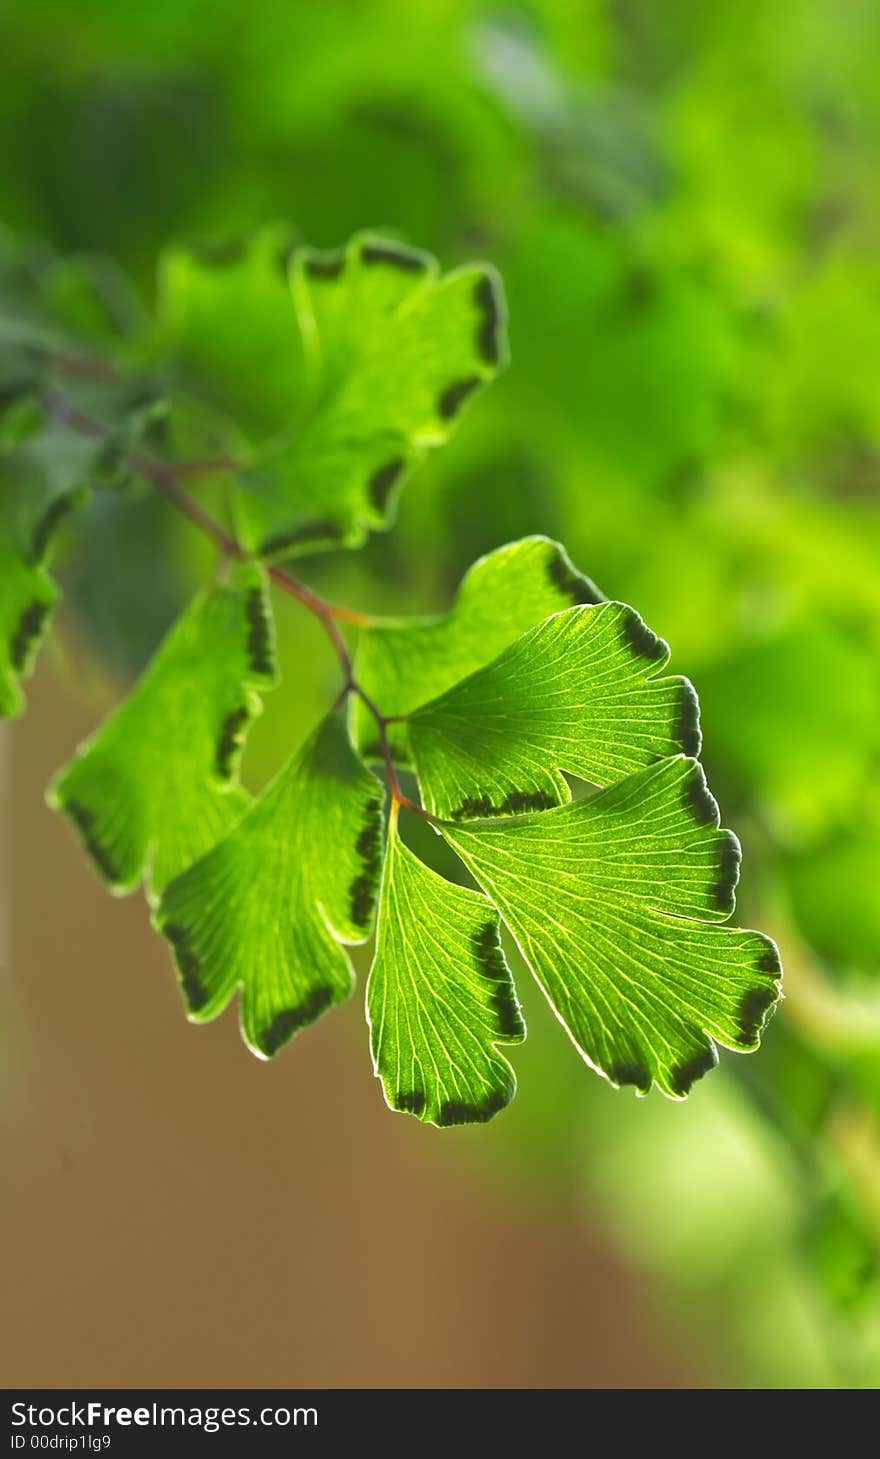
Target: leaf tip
{"x": 632, "y": 1072}
{"x": 395, "y": 255}
{"x": 324, "y": 266}
{"x": 382, "y": 483}
{"x": 642, "y": 640}
{"x": 260, "y": 635}
{"x": 188, "y": 964}
{"x": 491, "y": 331}
{"x": 84, "y": 822}
{"x": 368, "y": 847}
{"x": 758, "y": 1004}
{"x": 489, "y": 954}
{"x": 28, "y": 633}
{"x": 755, "y": 1011}
{"x": 269, "y": 1040}
{"x": 687, "y": 725}
{"x": 309, "y": 536}
{"x": 699, "y": 801}
{"x": 727, "y": 872}
{"x": 231, "y": 740}
{"x": 565, "y": 577}
{"x": 453, "y": 397}
{"x": 685, "y": 1075}
{"x": 458, "y": 1112}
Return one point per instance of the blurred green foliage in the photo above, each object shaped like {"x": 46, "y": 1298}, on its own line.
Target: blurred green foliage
{"x": 682, "y": 199}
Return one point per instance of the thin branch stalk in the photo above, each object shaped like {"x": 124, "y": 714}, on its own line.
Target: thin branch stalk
{"x": 165, "y": 477}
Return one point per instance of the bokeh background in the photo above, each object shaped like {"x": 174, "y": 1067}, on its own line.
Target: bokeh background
{"x": 683, "y": 200}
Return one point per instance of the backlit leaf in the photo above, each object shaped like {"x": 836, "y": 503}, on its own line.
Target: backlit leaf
{"x": 157, "y": 784}
{"x": 266, "y": 910}
{"x": 440, "y": 997}
{"x": 582, "y": 692}
{"x": 614, "y": 902}
{"x": 402, "y": 662}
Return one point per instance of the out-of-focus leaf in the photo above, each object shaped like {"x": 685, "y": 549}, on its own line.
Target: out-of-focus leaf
{"x": 373, "y": 357}
{"x": 834, "y": 896}
{"x": 228, "y": 313}
{"x": 843, "y": 1251}
{"x": 64, "y": 310}
{"x": 597, "y": 146}
{"x": 797, "y": 720}
{"x": 27, "y": 597}
{"x": 604, "y": 329}
{"x": 42, "y": 479}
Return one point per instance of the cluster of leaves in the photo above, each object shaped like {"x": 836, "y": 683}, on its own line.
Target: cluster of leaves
{"x": 683, "y": 201}
{"x": 356, "y": 362}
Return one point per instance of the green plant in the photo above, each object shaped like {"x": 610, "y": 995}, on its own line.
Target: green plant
{"x": 346, "y": 368}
